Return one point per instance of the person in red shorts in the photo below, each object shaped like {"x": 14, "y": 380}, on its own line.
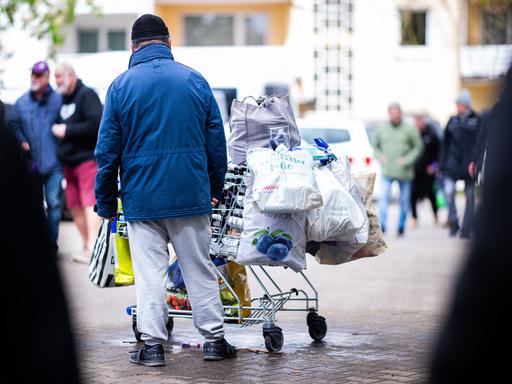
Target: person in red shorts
{"x": 77, "y": 131}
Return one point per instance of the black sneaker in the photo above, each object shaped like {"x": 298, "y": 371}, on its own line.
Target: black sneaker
{"x": 400, "y": 232}
{"x": 150, "y": 356}
{"x": 464, "y": 234}
{"x": 218, "y": 350}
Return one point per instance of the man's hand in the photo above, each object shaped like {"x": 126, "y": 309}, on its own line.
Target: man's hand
{"x": 431, "y": 170}
{"x": 215, "y": 201}
{"x": 25, "y": 147}
{"x": 59, "y": 130}
{"x": 95, "y": 209}
{"x": 472, "y": 169}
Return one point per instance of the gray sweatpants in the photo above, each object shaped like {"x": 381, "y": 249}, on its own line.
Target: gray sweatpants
{"x": 190, "y": 237}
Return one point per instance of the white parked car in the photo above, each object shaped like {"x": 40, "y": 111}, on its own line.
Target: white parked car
{"x": 346, "y": 138}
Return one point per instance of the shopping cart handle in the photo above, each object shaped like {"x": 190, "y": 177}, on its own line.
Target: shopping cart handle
{"x": 294, "y": 290}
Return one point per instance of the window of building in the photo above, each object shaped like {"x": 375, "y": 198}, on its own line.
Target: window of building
{"x": 92, "y": 33}
{"x": 256, "y": 29}
{"x": 87, "y": 41}
{"x": 496, "y": 26}
{"x": 209, "y": 29}
{"x": 333, "y": 62}
{"x": 226, "y": 29}
{"x": 116, "y": 40}
{"x": 413, "y": 27}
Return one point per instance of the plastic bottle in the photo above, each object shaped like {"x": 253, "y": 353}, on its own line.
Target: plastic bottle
{"x": 216, "y": 217}
{"x": 236, "y": 222}
{"x": 237, "y": 212}
{"x": 230, "y": 242}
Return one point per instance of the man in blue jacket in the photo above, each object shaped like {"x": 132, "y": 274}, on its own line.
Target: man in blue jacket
{"x": 460, "y": 136}
{"x": 161, "y": 130}
{"x": 31, "y": 120}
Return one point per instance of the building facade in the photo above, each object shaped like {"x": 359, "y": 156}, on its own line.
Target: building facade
{"x": 486, "y": 49}
{"x": 345, "y": 57}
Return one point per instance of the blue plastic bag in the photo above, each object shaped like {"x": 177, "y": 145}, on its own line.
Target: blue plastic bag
{"x": 175, "y": 276}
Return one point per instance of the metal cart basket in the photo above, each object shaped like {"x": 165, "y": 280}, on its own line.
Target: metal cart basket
{"x": 226, "y": 224}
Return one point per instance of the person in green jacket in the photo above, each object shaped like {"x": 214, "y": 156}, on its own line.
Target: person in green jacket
{"x": 397, "y": 146}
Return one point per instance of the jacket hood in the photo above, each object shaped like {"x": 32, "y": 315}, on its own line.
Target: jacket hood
{"x": 150, "y": 52}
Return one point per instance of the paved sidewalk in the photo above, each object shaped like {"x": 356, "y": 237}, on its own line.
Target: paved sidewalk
{"x": 382, "y": 316}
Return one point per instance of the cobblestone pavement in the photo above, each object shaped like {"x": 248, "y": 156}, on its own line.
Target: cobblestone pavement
{"x": 382, "y": 316}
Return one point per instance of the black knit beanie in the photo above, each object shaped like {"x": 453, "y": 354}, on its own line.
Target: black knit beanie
{"x": 148, "y": 27}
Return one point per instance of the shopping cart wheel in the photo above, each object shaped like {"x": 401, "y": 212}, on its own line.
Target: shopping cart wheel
{"x": 316, "y": 325}
{"x": 274, "y": 338}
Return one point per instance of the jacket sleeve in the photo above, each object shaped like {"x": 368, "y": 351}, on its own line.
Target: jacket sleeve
{"x": 91, "y": 111}
{"x": 216, "y": 151}
{"x": 108, "y": 156}
{"x": 15, "y": 125}
{"x": 416, "y": 146}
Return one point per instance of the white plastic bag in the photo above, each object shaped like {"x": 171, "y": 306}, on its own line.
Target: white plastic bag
{"x": 341, "y": 170}
{"x": 332, "y": 253}
{"x": 338, "y": 252}
{"x": 340, "y": 217}
{"x": 367, "y": 243}
{"x": 277, "y": 239}
{"x": 284, "y": 181}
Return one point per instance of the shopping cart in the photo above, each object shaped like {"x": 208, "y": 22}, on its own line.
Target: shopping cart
{"x": 226, "y": 223}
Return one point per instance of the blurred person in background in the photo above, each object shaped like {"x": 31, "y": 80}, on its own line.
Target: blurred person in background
{"x": 397, "y": 146}
{"x": 31, "y": 120}
{"x": 459, "y": 142}
{"x": 475, "y": 335}
{"x": 425, "y": 167}
{"x": 77, "y": 133}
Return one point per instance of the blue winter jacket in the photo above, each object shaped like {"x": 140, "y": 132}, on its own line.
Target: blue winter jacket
{"x": 161, "y": 128}
{"x": 31, "y": 120}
